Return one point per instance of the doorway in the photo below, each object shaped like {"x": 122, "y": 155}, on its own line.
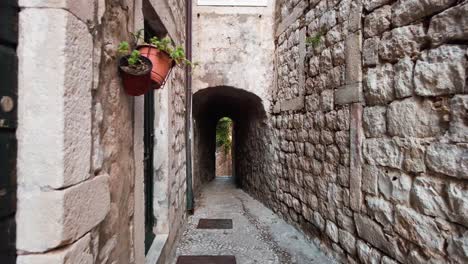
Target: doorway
{"x": 149, "y": 168}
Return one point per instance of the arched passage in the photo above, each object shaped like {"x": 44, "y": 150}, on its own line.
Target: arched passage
{"x": 249, "y": 116}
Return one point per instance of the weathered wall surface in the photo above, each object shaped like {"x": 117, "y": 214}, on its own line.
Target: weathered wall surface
{"x": 76, "y": 167}
{"x": 371, "y": 127}
{"x": 235, "y": 48}
{"x": 414, "y": 173}
{"x": 223, "y": 162}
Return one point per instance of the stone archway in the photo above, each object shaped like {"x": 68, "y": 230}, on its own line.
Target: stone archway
{"x": 247, "y": 112}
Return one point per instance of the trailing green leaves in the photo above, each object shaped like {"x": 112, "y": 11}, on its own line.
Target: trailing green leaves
{"x": 177, "y": 53}
{"x": 133, "y": 60}
{"x": 224, "y": 134}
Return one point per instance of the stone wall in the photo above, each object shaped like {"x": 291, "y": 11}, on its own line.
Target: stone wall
{"x": 414, "y": 175}
{"x": 235, "y": 48}
{"x": 76, "y": 134}
{"x": 370, "y": 128}
{"x": 223, "y": 162}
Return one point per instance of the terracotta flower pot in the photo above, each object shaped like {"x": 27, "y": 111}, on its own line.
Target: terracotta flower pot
{"x": 162, "y": 64}
{"x": 135, "y": 82}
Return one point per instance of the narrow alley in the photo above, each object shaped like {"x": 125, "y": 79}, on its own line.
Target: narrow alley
{"x": 257, "y": 235}
{"x": 343, "y": 123}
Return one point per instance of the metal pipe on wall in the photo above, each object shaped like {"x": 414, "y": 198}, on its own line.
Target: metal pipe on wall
{"x": 188, "y": 106}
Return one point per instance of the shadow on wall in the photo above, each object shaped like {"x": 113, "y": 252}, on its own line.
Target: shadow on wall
{"x": 249, "y": 116}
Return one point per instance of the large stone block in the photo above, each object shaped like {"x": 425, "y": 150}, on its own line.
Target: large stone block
{"x": 374, "y": 118}
{"x": 327, "y": 100}
{"x": 371, "y": 232}
{"x": 401, "y": 42}
{"x": 380, "y": 210}
{"x": 383, "y": 152}
{"x": 458, "y": 202}
{"x": 54, "y": 134}
{"x": 83, "y": 9}
{"x": 378, "y": 84}
{"x": 451, "y": 160}
{"x": 370, "y": 5}
{"x": 367, "y": 254}
{"x": 370, "y": 178}
{"x": 347, "y": 241}
{"x": 370, "y": 51}
{"x": 458, "y": 247}
{"x": 332, "y": 231}
{"x": 404, "y": 86}
{"x": 413, "y": 118}
{"x": 78, "y": 252}
{"x": 378, "y": 21}
{"x": 419, "y": 229}
{"x": 441, "y": 71}
{"x": 415, "y": 151}
{"x": 344, "y": 221}
{"x": 458, "y": 130}
{"x": 436, "y": 197}
{"x": 450, "y": 25}
{"x": 318, "y": 221}
{"x": 395, "y": 186}
{"x": 60, "y": 216}
{"x": 427, "y": 195}
{"x": 293, "y": 104}
{"x": 327, "y": 20}
{"x": 407, "y": 11}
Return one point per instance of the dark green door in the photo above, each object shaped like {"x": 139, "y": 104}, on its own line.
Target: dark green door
{"x": 8, "y": 123}
{"x": 149, "y": 167}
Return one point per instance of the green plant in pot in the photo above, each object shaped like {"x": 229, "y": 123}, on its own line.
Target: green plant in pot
{"x": 164, "y": 56}
{"x": 135, "y": 70}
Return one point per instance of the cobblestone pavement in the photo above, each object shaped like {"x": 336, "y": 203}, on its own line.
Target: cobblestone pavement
{"x": 258, "y": 235}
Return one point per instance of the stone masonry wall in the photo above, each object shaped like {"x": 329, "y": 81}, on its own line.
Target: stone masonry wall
{"x": 371, "y": 128}
{"x": 223, "y": 162}
{"x": 76, "y": 166}
{"x": 414, "y": 173}
{"x": 234, "y": 46}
